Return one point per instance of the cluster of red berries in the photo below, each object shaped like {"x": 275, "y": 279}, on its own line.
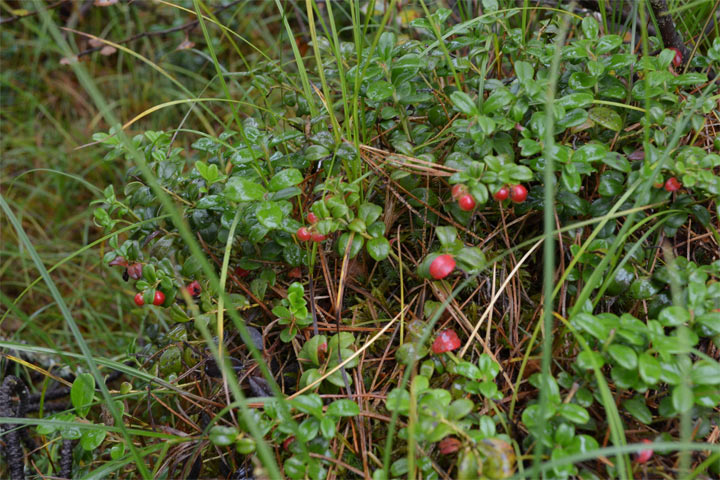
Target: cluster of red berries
{"x": 517, "y": 193}
{"x": 158, "y": 299}
{"x": 466, "y": 202}
{"x": 304, "y": 234}
{"x": 460, "y": 193}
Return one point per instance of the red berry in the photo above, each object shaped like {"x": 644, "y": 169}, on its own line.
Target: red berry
{"x": 194, "y": 288}
{"x": 241, "y": 272}
{"x": 312, "y": 218}
{"x": 449, "y": 445}
{"x": 139, "y": 301}
{"x": 446, "y": 342}
{"x": 159, "y": 298}
{"x": 644, "y": 455}
{"x": 442, "y": 266}
{"x": 502, "y": 194}
{"x": 317, "y": 237}
{"x": 659, "y": 184}
{"x": 677, "y": 60}
{"x": 518, "y": 193}
{"x": 295, "y": 273}
{"x": 458, "y": 190}
{"x": 466, "y": 202}
{"x": 303, "y": 234}
{"x": 672, "y": 184}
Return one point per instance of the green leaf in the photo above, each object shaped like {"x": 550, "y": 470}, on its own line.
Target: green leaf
{"x": 606, "y": 117}
{"x": 294, "y": 468}
{"x": 378, "y": 248}
{"x": 643, "y": 288}
{"x": 327, "y": 427}
{"x": 468, "y": 370}
{"x": 316, "y": 152}
{"x": 308, "y": 429}
{"x": 446, "y": 235}
{"x": 573, "y": 412}
{"x": 674, "y": 316}
{"x": 682, "y": 398}
{"x": 92, "y": 439}
{"x": 649, "y": 368}
{"x": 705, "y": 372}
{"x": 571, "y": 178}
{"x": 589, "y": 359}
{"x": 623, "y": 356}
{"x": 369, "y": 212}
{"x": 223, "y": 436}
{"x": 269, "y": 214}
{"x": 463, "y": 102}
{"x": 710, "y": 320}
{"x": 343, "y": 408}
{"x": 460, "y": 408}
{"x": 241, "y": 190}
{"x": 524, "y": 71}
{"x": 309, "y": 403}
{"x": 386, "y": 42}
{"x": 471, "y": 259}
{"x": 342, "y": 244}
{"x": 592, "y": 325}
{"x": 590, "y": 27}
{"x": 398, "y": 400}
{"x": 285, "y": 179}
{"x": 575, "y": 100}
{"x": 637, "y": 408}
{"x": 81, "y": 393}
{"x": 379, "y": 91}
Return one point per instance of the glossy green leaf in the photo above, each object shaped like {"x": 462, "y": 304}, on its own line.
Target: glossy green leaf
{"x": 241, "y": 190}
{"x": 463, "y": 102}
{"x": 223, "y": 436}
{"x": 623, "y": 355}
{"x": 269, "y": 214}
{"x": 285, "y": 179}
{"x": 378, "y": 248}
{"x": 705, "y": 372}
{"x": 606, "y": 117}
{"x": 343, "y": 408}
{"x": 379, "y": 91}
{"x": 92, "y": 439}
{"x": 673, "y": 316}
{"x": 82, "y": 392}
{"x": 682, "y": 398}
{"x": 573, "y": 412}
{"x": 649, "y": 368}
{"x": 637, "y": 408}
{"x": 309, "y": 403}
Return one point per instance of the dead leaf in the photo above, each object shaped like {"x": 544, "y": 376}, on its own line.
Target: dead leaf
{"x": 69, "y": 60}
{"x": 185, "y": 45}
{"x": 108, "y": 50}
{"x": 104, "y": 3}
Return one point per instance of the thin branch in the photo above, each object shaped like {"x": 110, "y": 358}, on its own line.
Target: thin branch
{"x": 159, "y": 33}
{"x": 15, "y": 18}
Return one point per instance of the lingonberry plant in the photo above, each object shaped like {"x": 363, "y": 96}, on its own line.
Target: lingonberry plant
{"x": 323, "y": 286}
